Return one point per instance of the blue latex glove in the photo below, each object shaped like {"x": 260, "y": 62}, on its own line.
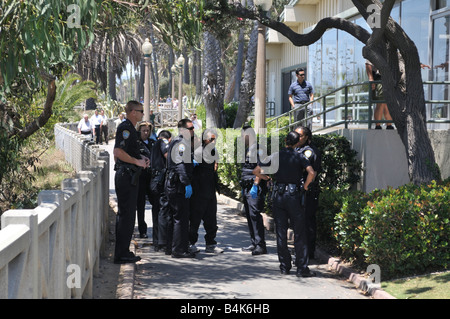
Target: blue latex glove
{"x": 254, "y": 191}
{"x": 188, "y": 191}
{"x": 195, "y": 162}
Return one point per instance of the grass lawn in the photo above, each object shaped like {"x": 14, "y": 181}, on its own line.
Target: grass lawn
{"x": 433, "y": 286}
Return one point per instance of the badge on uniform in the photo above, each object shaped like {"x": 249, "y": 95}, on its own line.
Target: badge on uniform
{"x": 307, "y": 153}
{"x": 125, "y": 134}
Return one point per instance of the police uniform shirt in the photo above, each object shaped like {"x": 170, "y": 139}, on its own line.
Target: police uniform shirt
{"x": 300, "y": 92}
{"x": 313, "y": 155}
{"x": 254, "y": 156}
{"x": 179, "y": 159}
{"x": 147, "y": 147}
{"x": 291, "y": 166}
{"x": 204, "y": 178}
{"x": 127, "y": 139}
{"x": 158, "y": 161}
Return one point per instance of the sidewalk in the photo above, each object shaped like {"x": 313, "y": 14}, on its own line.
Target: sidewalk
{"x": 231, "y": 275}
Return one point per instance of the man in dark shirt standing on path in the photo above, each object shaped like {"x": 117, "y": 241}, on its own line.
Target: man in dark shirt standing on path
{"x": 128, "y": 165}
{"x": 301, "y": 92}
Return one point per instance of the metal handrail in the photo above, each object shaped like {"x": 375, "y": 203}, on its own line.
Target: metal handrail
{"x": 345, "y": 105}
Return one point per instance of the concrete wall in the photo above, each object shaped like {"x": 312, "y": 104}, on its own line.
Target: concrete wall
{"x": 384, "y": 157}
{"x": 53, "y": 250}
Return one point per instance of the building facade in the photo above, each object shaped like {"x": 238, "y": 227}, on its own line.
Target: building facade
{"x": 336, "y": 59}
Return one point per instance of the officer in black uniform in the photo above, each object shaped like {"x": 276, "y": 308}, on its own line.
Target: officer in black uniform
{"x": 204, "y": 201}
{"x": 310, "y": 151}
{"x": 146, "y": 145}
{"x": 158, "y": 173}
{"x": 129, "y": 164}
{"x": 287, "y": 199}
{"x": 178, "y": 188}
{"x": 253, "y": 194}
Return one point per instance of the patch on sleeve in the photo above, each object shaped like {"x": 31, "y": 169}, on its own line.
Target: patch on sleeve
{"x": 125, "y": 134}
{"x": 307, "y": 153}
{"x": 181, "y": 149}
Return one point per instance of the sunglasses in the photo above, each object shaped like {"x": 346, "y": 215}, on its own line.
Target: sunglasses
{"x": 190, "y": 128}
{"x": 142, "y": 111}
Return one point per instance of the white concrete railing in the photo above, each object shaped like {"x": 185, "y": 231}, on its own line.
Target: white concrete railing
{"x": 53, "y": 250}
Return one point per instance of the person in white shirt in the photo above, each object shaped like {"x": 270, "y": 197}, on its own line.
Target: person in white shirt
{"x": 85, "y": 126}
{"x": 195, "y": 121}
{"x": 104, "y": 127}
{"x": 96, "y": 120}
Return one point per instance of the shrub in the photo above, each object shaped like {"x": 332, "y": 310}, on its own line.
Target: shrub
{"x": 406, "y": 231}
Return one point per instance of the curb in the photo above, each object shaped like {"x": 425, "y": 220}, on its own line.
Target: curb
{"x": 125, "y": 289}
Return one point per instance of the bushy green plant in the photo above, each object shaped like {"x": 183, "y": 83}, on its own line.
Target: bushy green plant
{"x": 407, "y": 230}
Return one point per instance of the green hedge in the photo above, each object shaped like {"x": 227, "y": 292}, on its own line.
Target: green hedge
{"x": 404, "y": 230}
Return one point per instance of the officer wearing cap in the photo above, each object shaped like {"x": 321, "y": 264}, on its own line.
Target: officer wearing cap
{"x": 129, "y": 163}
{"x": 287, "y": 200}
{"x": 312, "y": 153}
{"x": 253, "y": 193}
{"x": 178, "y": 188}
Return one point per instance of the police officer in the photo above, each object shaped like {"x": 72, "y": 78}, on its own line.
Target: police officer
{"x": 129, "y": 163}
{"x": 310, "y": 151}
{"x": 286, "y": 202}
{"x": 146, "y": 145}
{"x": 204, "y": 201}
{"x": 158, "y": 173}
{"x": 253, "y": 194}
{"x": 178, "y": 188}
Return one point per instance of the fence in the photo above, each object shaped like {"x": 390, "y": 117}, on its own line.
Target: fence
{"x": 53, "y": 250}
{"x": 349, "y": 104}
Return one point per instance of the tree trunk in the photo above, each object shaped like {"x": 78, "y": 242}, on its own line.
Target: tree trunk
{"x": 213, "y": 83}
{"x": 198, "y": 73}
{"x": 155, "y": 75}
{"x": 248, "y": 83}
{"x": 239, "y": 63}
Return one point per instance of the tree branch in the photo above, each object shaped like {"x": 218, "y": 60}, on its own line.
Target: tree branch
{"x": 46, "y": 112}
{"x": 236, "y": 9}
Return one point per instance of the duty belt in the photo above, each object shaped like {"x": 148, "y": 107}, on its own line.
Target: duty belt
{"x": 280, "y": 188}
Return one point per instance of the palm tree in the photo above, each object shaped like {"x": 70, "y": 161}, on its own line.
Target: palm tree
{"x": 213, "y": 82}
{"x": 116, "y": 43}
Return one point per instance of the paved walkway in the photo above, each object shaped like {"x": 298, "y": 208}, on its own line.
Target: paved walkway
{"x": 231, "y": 275}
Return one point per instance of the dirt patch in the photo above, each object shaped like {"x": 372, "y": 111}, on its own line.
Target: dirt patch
{"x": 107, "y": 281}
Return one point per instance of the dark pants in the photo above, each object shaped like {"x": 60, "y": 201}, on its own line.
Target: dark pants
{"x": 178, "y": 230}
{"x": 253, "y": 208}
{"x": 126, "y": 216}
{"x": 97, "y": 134}
{"x": 288, "y": 207}
{"x": 143, "y": 195}
{"x": 311, "y": 204}
{"x": 164, "y": 221}
{"x": 105, "y": 133}
{"x": 156, "y": 206}
{"x": 300, "y": 115}
{"x": 203, "y": 209}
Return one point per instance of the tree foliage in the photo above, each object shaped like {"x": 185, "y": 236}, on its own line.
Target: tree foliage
{"x": 38, "y": 37}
